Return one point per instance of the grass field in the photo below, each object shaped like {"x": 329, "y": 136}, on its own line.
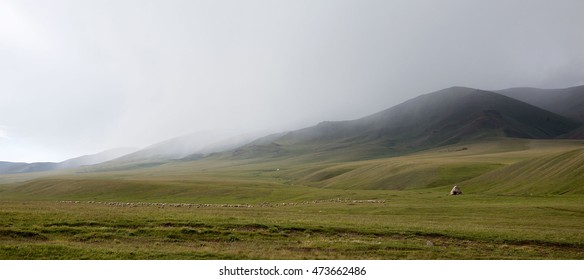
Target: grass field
{"x": 522, "y": 200}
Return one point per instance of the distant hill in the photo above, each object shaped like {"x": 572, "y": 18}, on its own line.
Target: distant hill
{"x": 567, "y": 102}
{"x": 436, "y": 119}
{"x": 21, "y": 167}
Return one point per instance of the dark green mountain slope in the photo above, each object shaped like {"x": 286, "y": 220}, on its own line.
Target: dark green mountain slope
{"x": 567, "y": 102}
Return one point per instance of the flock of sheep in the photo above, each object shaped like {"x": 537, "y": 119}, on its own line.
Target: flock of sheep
{"x": 206, "y": 205}
{"x": 455, "y": 191}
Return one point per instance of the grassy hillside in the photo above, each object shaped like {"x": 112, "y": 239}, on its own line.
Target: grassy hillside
{"x": 447, "y": 166}
{"x": 552, "y": 174}
{"x": 480, "y": 165}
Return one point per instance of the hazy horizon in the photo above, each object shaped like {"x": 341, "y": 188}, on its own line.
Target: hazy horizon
{"x": 80, "y": 77}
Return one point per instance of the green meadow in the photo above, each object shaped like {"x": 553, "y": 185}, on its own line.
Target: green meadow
{"x": 522, "y": 199}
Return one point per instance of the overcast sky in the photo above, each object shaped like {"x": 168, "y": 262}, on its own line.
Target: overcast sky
{"x": 78, "y": 77}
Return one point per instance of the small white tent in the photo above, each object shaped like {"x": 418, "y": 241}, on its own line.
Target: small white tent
{"x": 455, "y": 191}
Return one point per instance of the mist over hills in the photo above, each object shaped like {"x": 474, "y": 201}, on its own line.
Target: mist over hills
{"x": 188, "y": 147}
{"x": 445, "y": 117}
{"x": 22, "y": 167}
{"x": 191, "y": 146}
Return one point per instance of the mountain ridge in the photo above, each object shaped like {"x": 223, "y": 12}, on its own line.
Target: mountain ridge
{"x": 565, "y": 101}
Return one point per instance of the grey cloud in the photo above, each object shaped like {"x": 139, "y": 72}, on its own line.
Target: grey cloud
{"x": 83, "y": 76}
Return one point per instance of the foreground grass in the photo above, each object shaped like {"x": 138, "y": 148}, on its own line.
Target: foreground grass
{"x": 407, "y": 225}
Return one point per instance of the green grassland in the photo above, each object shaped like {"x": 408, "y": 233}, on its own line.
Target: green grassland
{"x": 523, "y": 199}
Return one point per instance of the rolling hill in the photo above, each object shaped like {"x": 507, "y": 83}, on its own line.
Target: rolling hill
{"x": 560, "y": 173}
